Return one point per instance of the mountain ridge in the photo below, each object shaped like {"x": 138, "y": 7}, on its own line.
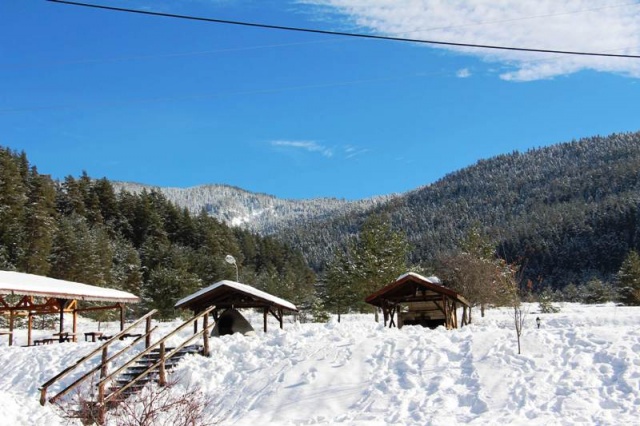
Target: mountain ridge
{"x": 258, "y": 212}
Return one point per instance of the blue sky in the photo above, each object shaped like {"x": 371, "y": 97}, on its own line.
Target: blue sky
{"x": 179, "y": 103}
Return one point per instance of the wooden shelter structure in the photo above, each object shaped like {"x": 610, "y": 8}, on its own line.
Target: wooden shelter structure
{"x": 38, "y": 295}
{"x": 417, "y": 300}
{"x": 228, "y": 294}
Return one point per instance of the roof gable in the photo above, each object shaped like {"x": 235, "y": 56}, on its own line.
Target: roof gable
{"x": 413, "y": 287}
{"x": 224, "y": 293}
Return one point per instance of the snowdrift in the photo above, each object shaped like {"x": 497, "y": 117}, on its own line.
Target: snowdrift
{"x": 581, "y": 367}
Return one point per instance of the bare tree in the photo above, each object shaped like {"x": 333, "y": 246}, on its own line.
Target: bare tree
{"x": 508, "y": 278}
{"x": 154, "y": 405}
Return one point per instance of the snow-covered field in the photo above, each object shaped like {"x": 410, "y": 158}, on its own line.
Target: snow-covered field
{"x": 581, "y": 367}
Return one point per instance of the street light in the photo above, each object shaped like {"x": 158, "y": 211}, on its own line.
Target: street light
{"x": 232, "y": 261}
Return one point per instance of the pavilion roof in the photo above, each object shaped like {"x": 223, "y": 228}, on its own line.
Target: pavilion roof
{"x": 412, "y": 287}
{"x": 228, "y": 292}
{"x": 37, "y": 285}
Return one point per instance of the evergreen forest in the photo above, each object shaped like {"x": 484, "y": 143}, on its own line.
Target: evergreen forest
{"x": 567, "y": 214}
{"x": 80, "y": 229}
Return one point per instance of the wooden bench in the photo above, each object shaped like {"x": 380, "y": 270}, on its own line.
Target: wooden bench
{"x": 46, "y": 341}
{"x": 127, "y": 335}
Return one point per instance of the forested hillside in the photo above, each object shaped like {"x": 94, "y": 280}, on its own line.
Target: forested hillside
{"x": 82, "y": 230}
{"x": 260, "y": 213}
{"x": 568, "y": 212}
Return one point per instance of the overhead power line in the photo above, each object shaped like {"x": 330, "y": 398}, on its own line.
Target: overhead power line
{"x": 346, "y": 34}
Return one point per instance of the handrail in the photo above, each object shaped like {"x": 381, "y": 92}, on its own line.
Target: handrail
{"x": 43, "y": 388}
{"x": 157, "y": 363}
{"x": 98, "y": 367}
{"x": 148, "y": 350}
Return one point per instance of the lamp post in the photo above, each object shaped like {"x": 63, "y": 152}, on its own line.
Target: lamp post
{"x": 232, "y": 261}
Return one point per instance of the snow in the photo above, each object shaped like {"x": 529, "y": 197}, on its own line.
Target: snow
{"x": 431, "y": 279}
{"x": 581, "y": 367}
{"x": 36, "y": 285}
{"x": 240, "y": 287}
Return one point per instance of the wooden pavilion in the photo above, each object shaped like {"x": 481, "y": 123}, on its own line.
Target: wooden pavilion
{"x": 42, "y": 295}
{"x": 233, "y": 295}
{"x": 417, "y": 300}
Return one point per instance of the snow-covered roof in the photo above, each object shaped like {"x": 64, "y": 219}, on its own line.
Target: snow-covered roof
{"x": 400, "y": 289}
{"x": 243, "y": 288}
{"x": 37, "y": 285}
{"x": 432, "y": 279}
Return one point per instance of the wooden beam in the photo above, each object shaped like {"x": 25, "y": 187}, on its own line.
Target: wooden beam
{"x": 75, "y": 326}
{"x": 29, "y": 328}
{"x": 265, "y": 313}
{"x": 61, "y": 303}
{"x": 205, "y": 335}
{"x": 11, "y": 328}
{"x": 121, "y": 306}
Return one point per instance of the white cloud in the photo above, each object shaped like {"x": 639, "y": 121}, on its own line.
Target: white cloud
{"x": 605, "y": 26}
{"x": 305, "y": 145}
{"x": 463, "y": 73}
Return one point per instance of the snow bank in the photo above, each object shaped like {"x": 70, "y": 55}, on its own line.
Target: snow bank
{"x": 581, "y": 367}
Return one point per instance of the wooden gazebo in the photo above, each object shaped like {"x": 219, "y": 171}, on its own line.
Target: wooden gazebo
{"x": 43, "y": 295}
{"x": 417, "y": 300}
{"x": 233, "y": 295}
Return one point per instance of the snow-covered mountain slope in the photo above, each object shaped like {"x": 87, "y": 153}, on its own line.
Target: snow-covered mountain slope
{"x": 582, "y": 367}
{"x": 257, "y": 212}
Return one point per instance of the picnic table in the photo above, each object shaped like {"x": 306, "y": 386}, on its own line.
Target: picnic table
{"x": 64, "y": 336}
{"x": 93, "y": 335}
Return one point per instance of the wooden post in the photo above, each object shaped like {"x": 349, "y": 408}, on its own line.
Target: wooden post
{"x": 446, "y": 313}
{"x": 103, "y": 363}
{"x": 74, "y": 338}
{"x": 205, "y": 337}
{"x": 385, "y": 313}
{"x": 266, "y": 312}
{"x": 147, "y": 337}
{"x": 29, "y": 327}
{"x": 103, "y": 374}
{"x": 281, "y": 319}
{"x": 455, "y": 314}
{"x": 61, "y": 303}
{"x": 121, "y": 306}
{"x": 195, "y": 323}
{"x": 43, "y": 396}
{"x": 162, "y": 379}
{"x": 101, "y": 407}
{"x": 10, "y": 328}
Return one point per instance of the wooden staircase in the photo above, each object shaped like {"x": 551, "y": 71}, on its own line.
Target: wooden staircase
{"x": 132, "y": 367}
{"x": 132, "y": 380}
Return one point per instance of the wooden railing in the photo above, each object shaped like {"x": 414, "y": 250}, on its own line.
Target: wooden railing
{"x": 104, "y": 399}
{"x": 147, "y": 336}
{"x": 107, "y": 377}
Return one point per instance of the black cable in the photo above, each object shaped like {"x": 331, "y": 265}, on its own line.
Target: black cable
{"x": 345, "y": 34}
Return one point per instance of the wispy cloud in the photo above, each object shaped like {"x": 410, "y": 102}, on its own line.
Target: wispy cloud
{"x": 309, "y": 146}
{"x": 463, "y": 73}
{"x": 346, "y": 152}
{"x": 351, "y": 151}
{"x": 570, "y": 25}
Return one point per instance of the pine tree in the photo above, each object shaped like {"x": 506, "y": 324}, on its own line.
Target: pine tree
{"x": 342, "y": 295}
{"x": 13, "y": 200}
{"x": 545, "y": 301}
{"x": 41, "y": 224}
{"x": 629, "y": 279}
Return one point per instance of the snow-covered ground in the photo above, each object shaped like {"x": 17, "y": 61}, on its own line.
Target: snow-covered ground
{"x": 581, "y": 367}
